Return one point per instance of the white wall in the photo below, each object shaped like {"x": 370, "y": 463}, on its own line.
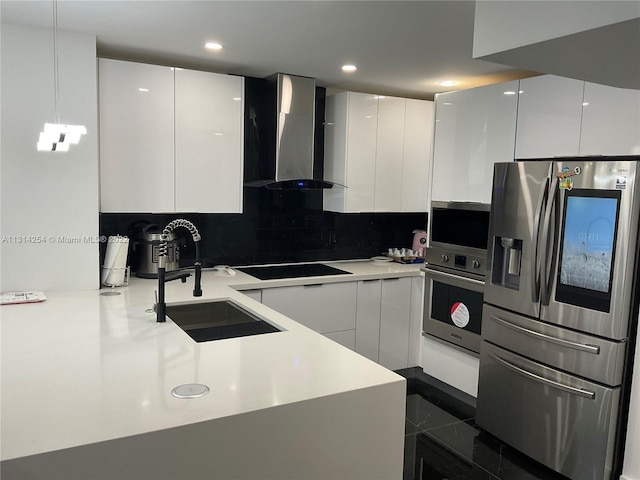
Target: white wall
{"x": 592, "y": 40}
{"x": 504, "y": 24}
{"x": 631, "y": 468}
{"x": 48, "y": 200}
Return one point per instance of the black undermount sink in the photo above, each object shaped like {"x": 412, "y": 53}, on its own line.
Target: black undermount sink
{"x": 206, "y": 321}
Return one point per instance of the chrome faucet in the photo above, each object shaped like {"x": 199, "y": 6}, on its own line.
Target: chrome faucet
{"x": 161, "y": 306}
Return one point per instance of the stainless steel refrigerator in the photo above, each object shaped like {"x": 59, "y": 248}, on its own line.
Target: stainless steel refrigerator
{"x": 560, "y": 313}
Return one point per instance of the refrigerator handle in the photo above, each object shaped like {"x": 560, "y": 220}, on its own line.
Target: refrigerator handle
{"x": 582, "y": 347}
{"x": 535, "y": 258}
{"x": 545, "y": 281}
{"x": 551, "y": 383}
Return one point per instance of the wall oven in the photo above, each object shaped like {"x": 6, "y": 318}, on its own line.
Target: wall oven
{"x": 455, "y": 265}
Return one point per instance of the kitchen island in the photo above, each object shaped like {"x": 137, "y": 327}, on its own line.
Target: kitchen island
{"x": 87, "y": 380}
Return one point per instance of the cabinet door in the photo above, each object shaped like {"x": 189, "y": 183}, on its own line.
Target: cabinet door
{"x": 389, "y": 154}
{"x": 361, "y": 152}
{"x": 335, "y": 151}
{"x": 346, "y": 338}
{"x": 474, "y": 129}
{"x": 418, "y": 135}
{"x": 256, "y": 294}
{"x": 610, "y": 121}
{"x": 136, "y": 137}
{"x": 367, "y": 341}
{"x": 395, "y": 314}
{"x": 549, "y": 116}
{"x": 325, "y": 308}
{"x": 209, "y": 142}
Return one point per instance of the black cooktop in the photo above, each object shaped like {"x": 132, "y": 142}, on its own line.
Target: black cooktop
{"x": 292, "y": 271}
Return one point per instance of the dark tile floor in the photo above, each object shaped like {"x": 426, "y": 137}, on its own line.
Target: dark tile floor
{"x": 442, "y": 442}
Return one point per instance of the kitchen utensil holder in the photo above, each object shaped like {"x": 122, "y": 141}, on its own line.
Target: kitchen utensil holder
{"x": 126, "y": 275}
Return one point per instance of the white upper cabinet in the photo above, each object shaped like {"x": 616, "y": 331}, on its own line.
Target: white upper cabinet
{"x": 209, "y": 142}
{"x": 418, "y": 139}
{"x": 474, "y": 129}
{"x": 136, "y": 137}
{"x": 549, "y": 117}
{"x": 170, "y": 141}
{"x": 389, "y": 153}
{"x": 378, "y": 148}
{"x": 350, "y": 151}
{"x": 610, "y": 121}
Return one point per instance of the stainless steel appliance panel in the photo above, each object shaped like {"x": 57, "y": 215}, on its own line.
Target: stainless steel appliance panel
{"x": 520, "y": 193}
{"x": 596, "y": 178}
{"x": 459, "y": 224}
{"x": 558, "y": 419}
{"x": 583, "y": 355}
{"x": 453, "y": 307}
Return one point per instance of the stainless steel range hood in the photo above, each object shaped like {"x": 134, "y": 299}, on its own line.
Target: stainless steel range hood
{"x": 280, "y": 137}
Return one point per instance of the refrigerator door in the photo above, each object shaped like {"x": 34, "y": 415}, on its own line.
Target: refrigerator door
{"x": 591, "y": 272}
{"x": 520, "y": 194}
{"x": 562, "y": 421}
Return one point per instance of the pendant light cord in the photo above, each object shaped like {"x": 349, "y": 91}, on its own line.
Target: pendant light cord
{"x": 56, "y": 93}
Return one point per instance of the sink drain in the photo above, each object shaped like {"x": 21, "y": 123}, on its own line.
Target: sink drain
{"x": 190, "y": 390}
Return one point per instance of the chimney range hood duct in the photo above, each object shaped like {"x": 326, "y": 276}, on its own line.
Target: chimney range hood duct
{"x": 284, "y": 133}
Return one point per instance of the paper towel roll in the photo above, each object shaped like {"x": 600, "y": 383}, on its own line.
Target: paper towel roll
{"x": 115, "y": 261}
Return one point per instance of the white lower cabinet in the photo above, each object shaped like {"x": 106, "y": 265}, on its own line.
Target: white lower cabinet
{"x": 256, "y": 294}
{"x": 368, "y": 319}
{"x": 395, "y": 315}
{"x": 383, "y": 321}
{"x": 325, "y": 308}
{"x": 372, "y": 317}
{"x": 346, "y": 338}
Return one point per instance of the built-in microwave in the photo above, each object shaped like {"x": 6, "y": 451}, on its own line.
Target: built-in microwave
{"x": 455, "y": 266}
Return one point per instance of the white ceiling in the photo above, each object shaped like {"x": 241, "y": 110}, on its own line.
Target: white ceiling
{"x": 400, "y": 47}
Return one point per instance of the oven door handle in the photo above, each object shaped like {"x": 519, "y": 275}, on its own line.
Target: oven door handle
{"x": 438, "y": 275}
{"x": 557, "y": 385}
{"x": 583, "y": 347}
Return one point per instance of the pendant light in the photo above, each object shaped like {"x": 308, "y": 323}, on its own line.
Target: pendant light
{"x": 57, "y": 137}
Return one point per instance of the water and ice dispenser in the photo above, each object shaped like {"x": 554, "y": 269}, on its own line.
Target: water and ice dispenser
{"x": 507, "y": 257}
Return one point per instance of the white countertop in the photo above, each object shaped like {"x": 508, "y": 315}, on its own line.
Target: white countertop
{"x": 82, "y": 367}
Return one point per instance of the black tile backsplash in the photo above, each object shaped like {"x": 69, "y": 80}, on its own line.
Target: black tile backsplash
{"x": 278, "y": 226}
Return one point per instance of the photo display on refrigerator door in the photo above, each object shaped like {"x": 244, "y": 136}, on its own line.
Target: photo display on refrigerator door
{"x": 587, "y": 249}
{"x": 560, "y": 313}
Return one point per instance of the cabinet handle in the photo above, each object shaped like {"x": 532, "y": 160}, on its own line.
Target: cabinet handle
{"x": 369, "y": 280}
{"x": 390, "y": 279}
{"x": 310, "y": 285}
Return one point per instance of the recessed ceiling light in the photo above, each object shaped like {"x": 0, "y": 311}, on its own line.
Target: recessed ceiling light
{"x": 141, "y": 89}
{"x": 447, "y": 83}
{"x": 509, "y": 92}
{"x": 213, "y": 46}
{"x": 379, "y": 97}
{"x": 349, "y": 68}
